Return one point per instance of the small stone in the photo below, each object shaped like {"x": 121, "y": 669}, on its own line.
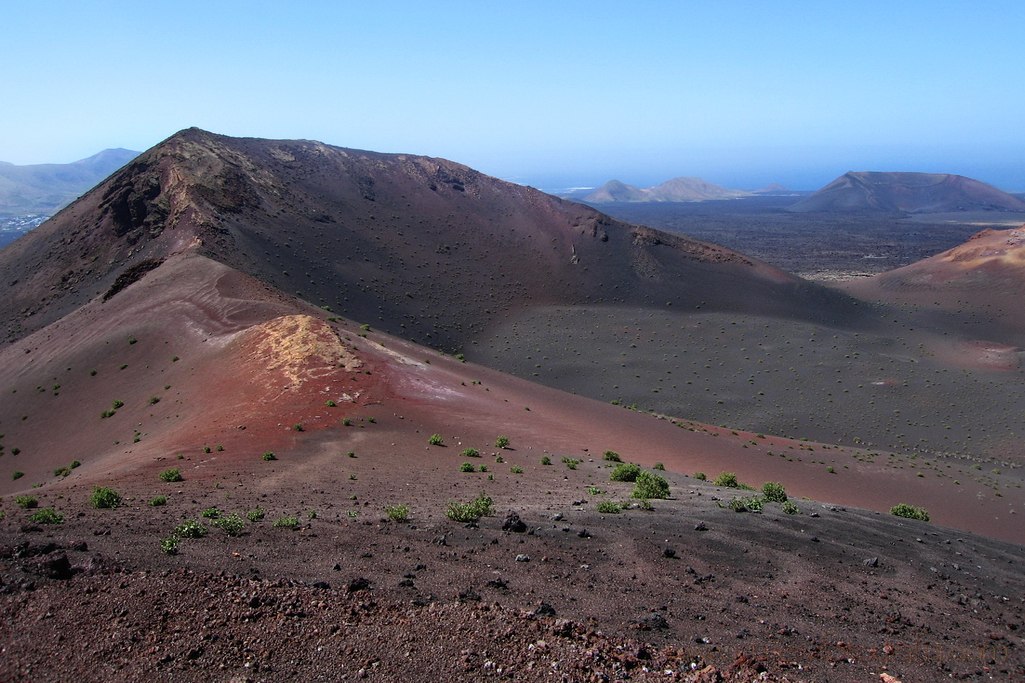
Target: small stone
{"x": 872, "y": 562}
{"x": 514, "y": 524}
{"x": 522, "y": 557}
{"x": 358, "y": 584}
{"x": 544, "y": 610}
{"x": 700, "y": 526}
{"x": 668, "y": 553}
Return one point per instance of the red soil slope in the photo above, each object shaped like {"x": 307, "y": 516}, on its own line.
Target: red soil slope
{"x": 982, "y": 279}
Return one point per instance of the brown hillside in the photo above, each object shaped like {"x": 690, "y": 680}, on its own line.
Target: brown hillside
{"x": 425, "y": 248}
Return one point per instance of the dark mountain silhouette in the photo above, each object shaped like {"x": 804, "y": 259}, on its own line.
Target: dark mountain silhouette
{"x": 45, "y": 188}
{"x": 876, "y": 192}
{"x": 425, "y": 248}
{"x": 674, "y": 190}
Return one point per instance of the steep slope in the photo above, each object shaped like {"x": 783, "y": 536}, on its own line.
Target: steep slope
{"x": 674, "y": 190}
{"x": 425, "y": 248}
{"x": 45, "y": 188}
{"x": 877, "y": 192}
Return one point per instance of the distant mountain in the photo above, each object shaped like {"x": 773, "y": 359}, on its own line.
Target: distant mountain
{"x": 45, "y": 188}
{"x": 876, "y": 192}
{"x": 675, "y": 190}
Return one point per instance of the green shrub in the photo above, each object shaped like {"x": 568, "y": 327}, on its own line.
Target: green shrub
{"x": 545, "y": 460}
{"x": 46, "y": 516}
{"x": 626, "y": 471}
{"x": 774, "y": 491}
{"x": 105, "y": 497}
{"x": 612, "y": 456}
{"x": 470, "y": 512}
{"x": 210, "y": 513}
{"x": 190, "y": 528}
{"x": 910, "y": 512}
{"x": 17, "y": 474}
{"x": 298, "y": 427}
{"x": 751, "y": 504}
{"x": 484, "y": 468}
{"x": 157, "y": 501}
{"x": 790, "y": 508}
{"x": 171, "y": 475}
{"x": 570, "y": 463}
{"x": 609, "y": 507}
{"x": 346, "y": 422}
{"x": 727, "y": 479}
{"x": 287, "y": 522}
{"x": 118, "y": 403}
{"x": 594, "y": 491}
{"x": 256, "y": 514}
{"x": 470, "y": 453}
{"x": 467, "y": 467}
{"x": 331, "y": 404}
{"x": 502, "y": 442}
{"x": 232, "y": 524}
{"x": 659, "y": 466}
{"x": 27, "y": 502}
{"x": 269, "y": 455}
{"x": 169, "y": 545}
{"x": 397, "y": 513}
{"x": 650, "y": 485}
{"x": 516, "y": 469}
{"x": 436, "y": 440}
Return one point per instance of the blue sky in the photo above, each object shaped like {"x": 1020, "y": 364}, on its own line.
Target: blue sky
{"x": 547, "y": 93}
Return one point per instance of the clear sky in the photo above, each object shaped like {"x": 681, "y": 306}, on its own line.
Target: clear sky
{"x": 552, "y": 94}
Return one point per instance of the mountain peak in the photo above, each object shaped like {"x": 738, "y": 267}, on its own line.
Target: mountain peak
{"x": 907, "y": 192}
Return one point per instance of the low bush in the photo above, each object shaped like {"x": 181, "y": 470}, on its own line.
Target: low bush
{"x": 626, "y": 471}
{"x": 210, "y": 513}
{"x": 287, "y": 522}
{"x": 570, "y": 463}
{"x": 610, "y": 507}
{"x": 46, "y": 516}
{"x": 269, "y": 455}
{"x": 27, "y": 502}
{"x": 397, "y": 513}
{"x": 105, "y": 497}
{"x": 169, "y": 545}
{"x": 157, "y": 501}
{"x": 910, "y": 512}
{"x": 751, "y": 504}
{"x": 190, "y": 528}
{"x": 472, "y": 511}
{"x": 436, "y": 440}
{"x": 545, "y": 460}
{"x": 774, "y": 491}
{"x": 232, "y": 524}
{"x": 516, "y": 469}
{"x": 790, "y": 508}
{"x": 256, "y": 514}
{"x": 659, "y": 466}
{"x": 650, "y": 485}
{"x": 502, "y": 442}
{"x": 470, "y": 453}
{"x": 467, "y": 467}
{"x": 612, "y": 456}
{"x": 171, "y": 475}
{"x": 727, "y": 479}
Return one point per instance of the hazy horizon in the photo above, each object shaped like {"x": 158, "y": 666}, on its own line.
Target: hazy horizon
{"x": 740, "y": 93}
